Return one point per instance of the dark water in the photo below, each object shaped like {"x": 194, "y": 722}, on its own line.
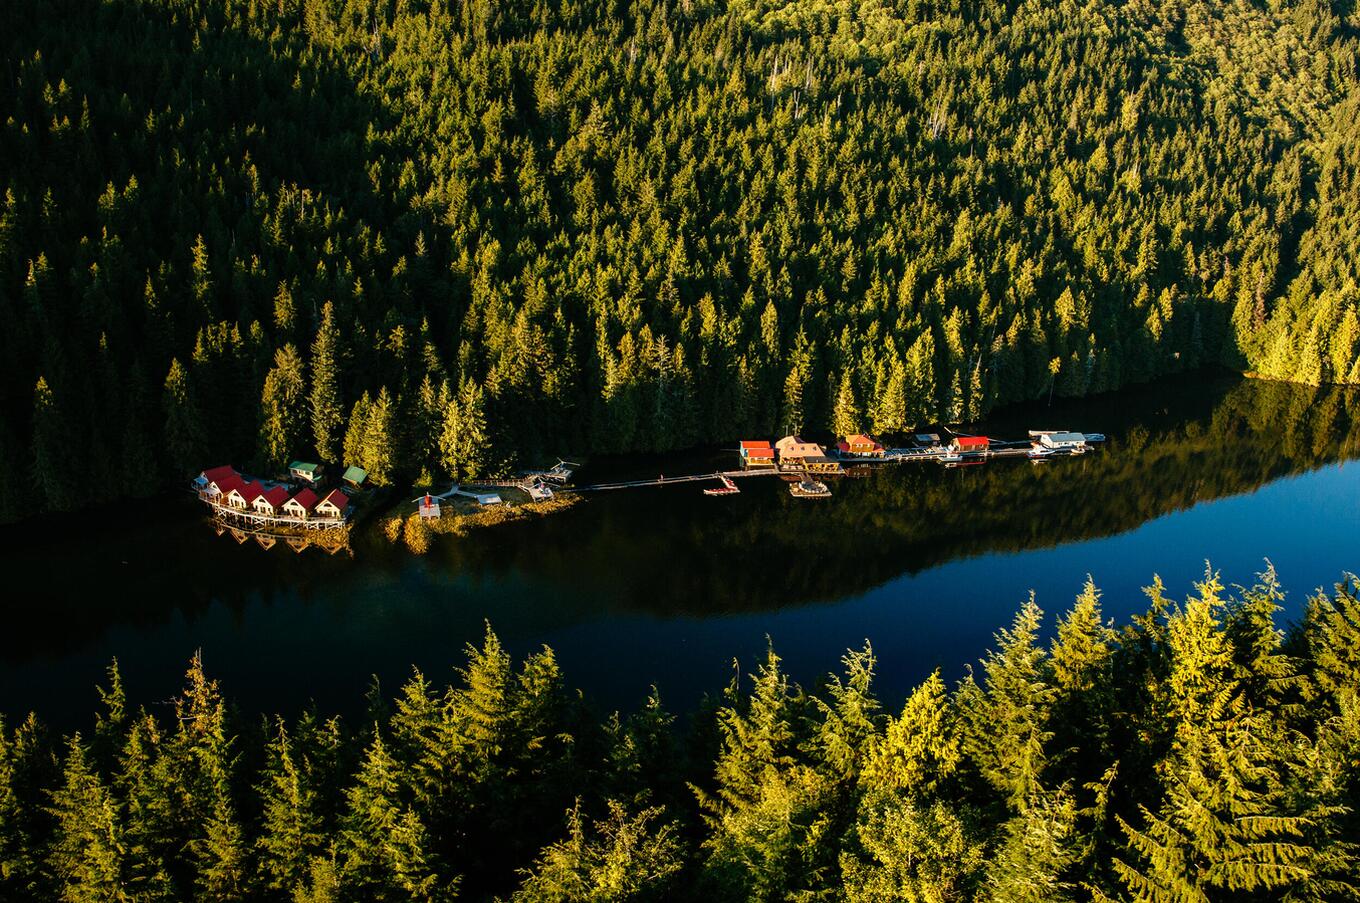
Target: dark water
{"x": 667, "y": 587}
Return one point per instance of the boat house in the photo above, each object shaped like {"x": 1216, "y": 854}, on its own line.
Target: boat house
{"x": 301, "y": 505}
{"x": 756, "y": 453}
{"x": 971, "y": 444}
{"x": 333, "y": 505}
{"x": 1063, "y": 441}
{"x": 860, "y": 446}
{"x": 307, "y": 473}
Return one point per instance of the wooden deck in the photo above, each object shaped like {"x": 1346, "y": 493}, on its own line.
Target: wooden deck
{"x": 249, "y": 517}
{"x": 1011, "y": 450}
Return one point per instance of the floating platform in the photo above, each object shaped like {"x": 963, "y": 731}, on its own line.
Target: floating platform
{"x": 809, "y": 489}
{"x": 728, "y": 487}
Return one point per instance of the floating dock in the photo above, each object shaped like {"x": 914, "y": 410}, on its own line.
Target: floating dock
{"x": 965, "y": 450}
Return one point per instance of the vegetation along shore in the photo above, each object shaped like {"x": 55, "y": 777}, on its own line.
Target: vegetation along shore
{"x": 1197, "y": 752}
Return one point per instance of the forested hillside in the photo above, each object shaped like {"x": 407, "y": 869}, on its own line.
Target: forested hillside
{"x": 1194, "y": 754}
{"x": 441, "y": 238}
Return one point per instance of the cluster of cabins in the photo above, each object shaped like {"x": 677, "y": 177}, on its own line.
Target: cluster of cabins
{"x": 230, "y": 493}
{"x": 793, "y": 454}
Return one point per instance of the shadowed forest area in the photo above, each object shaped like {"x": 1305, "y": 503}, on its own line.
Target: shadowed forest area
{"x": 446, "y": 239}
{"x": 1172, "y": 446}
{"x": 1197, "y": 752}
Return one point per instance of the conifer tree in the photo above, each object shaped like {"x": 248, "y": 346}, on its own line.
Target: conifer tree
{"x": 23, "y": 763}
{"x": 1331, "y": 634}
{"x": 54, "y": 461}
{"x": 1268, "y": 675}
{"x": 281, "y": 402}
{"x": 192, "y": 781}
{"x": 386, "y": 848}
{"x": 379, "y": 453}
{"x": 1007, "y": 717}
{"x": 845, "y": 417}
{"x": 325, "y": 399}
{"x": 464, "y": 439}
{"x": 356, "y": 431}
{"x": 87, "y": 853}
{"x": 620, "y": 858}
{"x": 290, "y": 836}
{"x": 919, "y": 748}
{"x": 185, "y": 442}
{"x": 152, "y": 828}
{"x": 1038, "y": 848}
{"x": 112, "y": 723}
{"x": 201, "y": 280}
{"x": 1224, "y": 824}
{"x": 909, "y": 849}
{"x": 285, "y": 310}
{"x": 763, "y": 818}
{"x": 1082, "y": 661}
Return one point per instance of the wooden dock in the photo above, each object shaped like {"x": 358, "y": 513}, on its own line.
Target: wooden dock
{"x": 250, "y": 518}
{"x": 1011, "y": 450}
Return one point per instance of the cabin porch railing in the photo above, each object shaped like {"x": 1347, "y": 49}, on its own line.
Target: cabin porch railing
{"x": 253, "y": 517}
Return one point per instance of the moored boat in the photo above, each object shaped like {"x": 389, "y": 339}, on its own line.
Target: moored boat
{"x": 809, "y": 489}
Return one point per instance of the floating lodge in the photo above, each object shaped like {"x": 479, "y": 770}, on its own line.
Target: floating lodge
{"x": 250, "y": 503}
{"x": 301, "y": 512}
{"x": 801, "y": 462}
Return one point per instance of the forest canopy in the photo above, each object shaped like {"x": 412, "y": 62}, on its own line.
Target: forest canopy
{"x": 440, "y": 239}
{"x": 1197, "y": 753}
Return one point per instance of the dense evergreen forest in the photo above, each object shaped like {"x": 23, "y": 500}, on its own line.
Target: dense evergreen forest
{"x": 441, "y": 238}
{"x": 1195, "y": 754}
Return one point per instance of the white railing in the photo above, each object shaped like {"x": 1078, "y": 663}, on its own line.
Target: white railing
{"x": 250, "y": 515}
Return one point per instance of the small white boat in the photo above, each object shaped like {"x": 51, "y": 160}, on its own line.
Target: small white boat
{"x": 1039, "y": 452}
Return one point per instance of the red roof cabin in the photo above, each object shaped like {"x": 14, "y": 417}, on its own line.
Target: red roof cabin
{"x": 301, "y": 505}
{"x": 972, "y": 443}
{"x": 860, "y": 446}
{"x": 234, "y": 491}
{"x": 271, "y": 501}
{"x": 756, "y": 453}
{"x": 210, "y": 481}
{"x": 333, "y": 505}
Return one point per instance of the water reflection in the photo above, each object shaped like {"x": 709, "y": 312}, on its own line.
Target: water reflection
{"x": 1171, "y": 446}
{"x": 623, "y": 567}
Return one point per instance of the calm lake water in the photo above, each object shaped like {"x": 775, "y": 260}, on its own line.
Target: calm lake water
{"x": 667, "y": 587}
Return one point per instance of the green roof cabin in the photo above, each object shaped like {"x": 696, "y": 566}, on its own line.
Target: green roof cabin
{"x": 355, "y": 476}
{"x": 301, "y": 470}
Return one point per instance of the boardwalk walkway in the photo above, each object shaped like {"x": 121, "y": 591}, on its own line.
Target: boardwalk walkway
{"x": 893, "y": 456}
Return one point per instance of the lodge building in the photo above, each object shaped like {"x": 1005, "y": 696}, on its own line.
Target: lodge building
{"x": 234, "y": 498}
{"x": 795, "y": 454}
